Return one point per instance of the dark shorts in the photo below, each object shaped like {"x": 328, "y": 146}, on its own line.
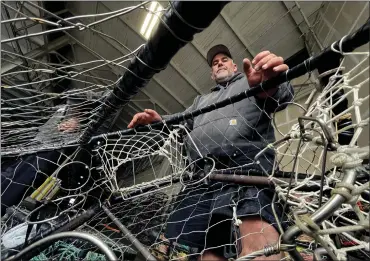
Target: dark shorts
{"x": 23, "y": 176}
{"x": 202, "y": 216}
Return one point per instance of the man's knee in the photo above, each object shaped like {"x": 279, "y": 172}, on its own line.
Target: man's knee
{"x": 210, "y": 256}
{"x": 256, "y": 233}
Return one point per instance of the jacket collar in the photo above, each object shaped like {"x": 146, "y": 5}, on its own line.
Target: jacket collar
{"x": 236, "y": 77}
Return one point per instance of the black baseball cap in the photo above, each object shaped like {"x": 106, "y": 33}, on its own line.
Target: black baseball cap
{"x": 220, "y": 48}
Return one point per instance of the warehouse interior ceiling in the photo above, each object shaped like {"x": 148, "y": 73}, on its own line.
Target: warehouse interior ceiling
{"x": 292, "y": 30}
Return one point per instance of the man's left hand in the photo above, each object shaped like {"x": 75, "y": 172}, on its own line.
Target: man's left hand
{"x": 69, "y": 125}
{"x": 263, "y": 67}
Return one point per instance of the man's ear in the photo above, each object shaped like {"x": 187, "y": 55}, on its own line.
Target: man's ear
{"x": 213, "y": 78}
{"x": 235, "y": 67}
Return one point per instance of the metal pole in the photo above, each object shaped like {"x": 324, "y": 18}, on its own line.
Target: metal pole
{"x": 140, "y": 247}
{"x": 309, "y": 26}
{"x": 72, "y": 234}
{"x": 242, "y": 180}
{"x": 325, "y": 211}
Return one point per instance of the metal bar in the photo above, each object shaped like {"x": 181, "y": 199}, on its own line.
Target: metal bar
{"x": 325, "y": 211}
{"x": 63, "y": 235}
{"x": 328, "y": 135}
{"x": 19, "y": 49}
{"x": 140, "y": 247}
{"x": 197, "y": 47}
{"x": 243, "y": 180}
{"x": 309, "y": 26}
{"x": 226, "y": 19}
{"x": 299, "y": 30}
{"x": 54, "y": 45}
{"x": 62, "y": 226}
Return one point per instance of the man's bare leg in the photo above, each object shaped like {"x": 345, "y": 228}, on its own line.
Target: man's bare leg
{"x": 255, "y": 234}
{"x": 209, "y": 256}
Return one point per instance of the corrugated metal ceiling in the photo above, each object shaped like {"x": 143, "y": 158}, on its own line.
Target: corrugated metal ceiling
{"x": 245, "y": 27}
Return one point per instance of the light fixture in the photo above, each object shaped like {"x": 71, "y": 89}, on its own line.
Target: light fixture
{"x": 150, "y": 19}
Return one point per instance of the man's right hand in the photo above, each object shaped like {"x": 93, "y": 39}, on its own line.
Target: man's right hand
{"x": 144, "y": 118}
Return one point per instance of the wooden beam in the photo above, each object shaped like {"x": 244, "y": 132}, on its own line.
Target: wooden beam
{"x": 238, "y": 35}
{"x": 297, "y": 25}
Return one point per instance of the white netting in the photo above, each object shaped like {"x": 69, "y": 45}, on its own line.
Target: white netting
{"x": 149, "y": 181}
{"x": 341, "y": 232}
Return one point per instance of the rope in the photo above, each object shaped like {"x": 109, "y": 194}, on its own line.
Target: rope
{"x": 345, "y": 116}
{"x": 40, "y": 257}
{"x": 237, "y": 221}
{"x": 350, "y": 192}
{"x": 345, "y": 190}
{"x": 364, "y": 223}
{"x": 346, "y": 161}
{"x": 358, "y": 102}
{"x": 92, "y": 256}
{"x": 66, "y": 251}
{"x": 311, "y": 228}
{"x": 358, "y": 190}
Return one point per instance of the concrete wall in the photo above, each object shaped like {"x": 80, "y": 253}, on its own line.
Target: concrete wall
{"x": 335, "y": 20}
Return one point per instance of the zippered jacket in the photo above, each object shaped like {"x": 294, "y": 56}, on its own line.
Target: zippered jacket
{"x": 244, "y": 127}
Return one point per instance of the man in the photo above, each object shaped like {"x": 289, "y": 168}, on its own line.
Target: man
{"x": 203, "y": 216}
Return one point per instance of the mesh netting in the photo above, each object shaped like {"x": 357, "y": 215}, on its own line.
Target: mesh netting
{"x": 291, "y": 173}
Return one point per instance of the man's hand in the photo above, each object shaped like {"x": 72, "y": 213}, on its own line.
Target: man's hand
{"x": 263, "y": 67}
{"x": 69, "y": 125}
{"x": 143, "y": 118}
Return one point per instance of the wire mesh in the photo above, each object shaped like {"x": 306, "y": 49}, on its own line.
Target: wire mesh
{"x": 158, "y": 183}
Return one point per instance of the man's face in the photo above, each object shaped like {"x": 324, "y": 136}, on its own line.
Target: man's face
{"x": 223, "y": 68}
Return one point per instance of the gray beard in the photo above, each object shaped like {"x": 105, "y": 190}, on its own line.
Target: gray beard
{"x": 225, "y": 79}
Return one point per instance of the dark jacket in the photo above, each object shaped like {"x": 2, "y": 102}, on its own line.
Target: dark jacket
{"x": 240, "y": 128}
